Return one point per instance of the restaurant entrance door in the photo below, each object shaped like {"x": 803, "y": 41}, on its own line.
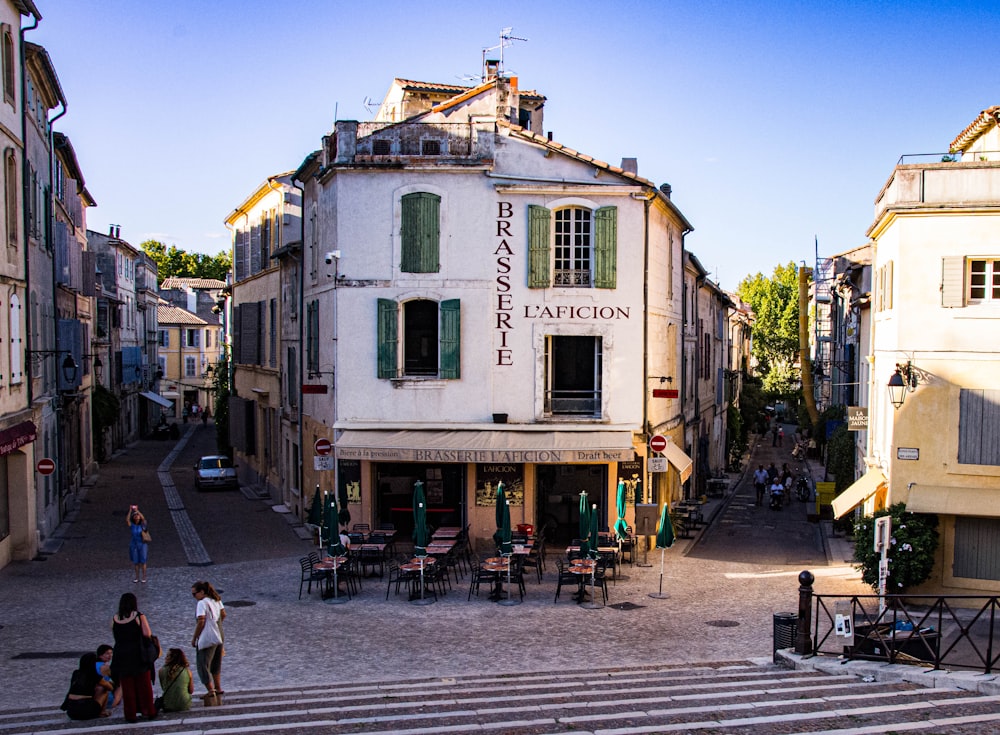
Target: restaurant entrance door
{"x": 444, "y": 488}
{"x": 558, "y": 488}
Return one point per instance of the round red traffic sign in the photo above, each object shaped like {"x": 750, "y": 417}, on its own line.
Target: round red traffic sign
{"x": 323, "y": 447}
{"x": 657, "y": 442}
{"x": 45, "y": 466}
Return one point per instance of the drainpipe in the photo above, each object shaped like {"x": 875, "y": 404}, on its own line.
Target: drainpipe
{"x": 647, "y": 198}
{"x": 301, "y": 317}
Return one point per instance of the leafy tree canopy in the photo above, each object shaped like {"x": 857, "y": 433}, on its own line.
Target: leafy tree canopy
{"x": 173, "y": 262}
{"x": 775, "y": 303}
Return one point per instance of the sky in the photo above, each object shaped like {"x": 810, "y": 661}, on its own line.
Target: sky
{"x": 776, "y": 123}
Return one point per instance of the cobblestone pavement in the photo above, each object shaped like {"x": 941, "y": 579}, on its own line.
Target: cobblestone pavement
{"x": 720, "y": 602}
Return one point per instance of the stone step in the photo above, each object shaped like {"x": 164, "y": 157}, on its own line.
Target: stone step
{"x": 730, "y": 697}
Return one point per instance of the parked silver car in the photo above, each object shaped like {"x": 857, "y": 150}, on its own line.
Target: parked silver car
{"x": 215, "y": 471}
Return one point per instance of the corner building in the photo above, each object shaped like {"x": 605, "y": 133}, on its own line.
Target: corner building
{"x": 481, "y": 303}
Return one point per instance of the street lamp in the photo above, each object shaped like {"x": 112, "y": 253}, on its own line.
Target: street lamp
{"x": 900, "y": 382}
{"x": 69, "y": 366}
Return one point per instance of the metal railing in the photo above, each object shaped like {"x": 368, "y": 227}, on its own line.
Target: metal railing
{"x": 947, "y": 631}
{"x": 970, "y": 157}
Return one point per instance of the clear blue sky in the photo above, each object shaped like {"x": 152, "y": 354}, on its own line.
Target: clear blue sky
{"x": 775, "y": 122}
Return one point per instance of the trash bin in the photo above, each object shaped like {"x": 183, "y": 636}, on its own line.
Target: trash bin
{"x": 785, "y": 627}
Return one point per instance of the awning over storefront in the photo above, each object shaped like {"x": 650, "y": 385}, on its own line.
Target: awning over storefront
{"x": 159, "y": 400}
{"x": 956, "y": 501}
{"x": 862, "y": 489}
{"x": 680, "y": 461}
{"x": 533, "y": 447}
{"x": 16, "y": 437}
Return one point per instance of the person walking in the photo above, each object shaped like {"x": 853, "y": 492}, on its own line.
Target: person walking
{"x": 781, "y": 435}
{"x": 760, "y": 479}
{"x": 128, "y": 668}
{"x": 207, "y": 639}
{"x": 138, "y": 548}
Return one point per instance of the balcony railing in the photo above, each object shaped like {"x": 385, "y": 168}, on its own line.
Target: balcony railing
{"x": 573, "y": 402}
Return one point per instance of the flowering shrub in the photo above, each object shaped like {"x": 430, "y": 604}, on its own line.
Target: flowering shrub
{"x": 912, "y": 547}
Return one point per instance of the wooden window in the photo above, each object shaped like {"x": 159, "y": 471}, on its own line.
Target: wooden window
{"x": 451, "y": 328}
{"x": 573, "y": 375}
{"x": 984, "y": 280}
{"x": 539, "y": 250}
{"x": 189, "y": 367}
{"x": 606, "y": 247}
{"x": 164, "y": 338}
{"x": 423, "y": 336}
{"x": 977, "y": 548}
{"x": 10, "y": 195}
{"x": 312, "y": 337}
{"x": 979, "y": 427}
{"x": 421, "y": 233}
{"x": 8, "y": 65}
{"x": 388, "y": 318}
{"x": 573, "y": 247}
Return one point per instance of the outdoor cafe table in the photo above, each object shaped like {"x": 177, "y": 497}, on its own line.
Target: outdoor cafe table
{"x": 446, "y": 532}
{"x": 328, "y": 566}
{"x": 500, "y": 566}
{"x": 583, "y": 568}
{"x": 414, "y": 566}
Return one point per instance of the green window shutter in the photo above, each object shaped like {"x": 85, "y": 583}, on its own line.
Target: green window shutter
{"x": 539, "y": 247}
{"x": 421, "y": 235}
{"x": 451, "y": 333}
{"x": 388, "y": 321}
{"x": 606, "y": 247}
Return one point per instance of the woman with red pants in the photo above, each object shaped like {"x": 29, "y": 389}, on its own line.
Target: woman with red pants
{"x": 127, "y": 665}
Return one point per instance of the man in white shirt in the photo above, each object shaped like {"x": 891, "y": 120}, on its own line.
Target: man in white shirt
{"x": 760, "y": 483}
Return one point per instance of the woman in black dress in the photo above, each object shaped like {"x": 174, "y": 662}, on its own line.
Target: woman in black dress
{"x": 127, "y": 665}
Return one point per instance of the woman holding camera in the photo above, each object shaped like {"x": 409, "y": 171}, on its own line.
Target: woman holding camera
{"x": 138, "y": 548}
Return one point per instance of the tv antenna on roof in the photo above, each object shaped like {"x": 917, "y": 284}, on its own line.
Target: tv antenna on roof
{"x": 370, "y": 104}
{"x": 506, "y": 41}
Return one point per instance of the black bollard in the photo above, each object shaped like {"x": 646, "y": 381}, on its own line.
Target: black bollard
{"x": 803, "y": 640}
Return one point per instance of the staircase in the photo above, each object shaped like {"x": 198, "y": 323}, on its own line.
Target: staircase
{"x": 731, "y": 697}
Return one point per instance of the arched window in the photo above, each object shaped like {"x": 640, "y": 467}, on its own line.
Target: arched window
{"x": 8, "y": 64}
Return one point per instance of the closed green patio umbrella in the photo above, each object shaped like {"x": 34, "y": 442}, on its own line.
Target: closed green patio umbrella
{"x": 420, "y": 537}
{"x": 331, "y": 533}
{"x": 664, "y": 540}
{"x": 502, "y": 536}
{"x": 584, "y": 524}
{"x": 621, "y": 527}
{"x": 316, "y": 509}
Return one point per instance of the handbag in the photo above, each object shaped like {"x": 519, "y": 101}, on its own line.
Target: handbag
{"x": 146, "y": 538}
{"x": 149, "y": 649}
{"x": 158, "y": 701}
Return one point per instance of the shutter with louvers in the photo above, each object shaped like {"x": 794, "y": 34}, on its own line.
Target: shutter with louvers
{"x": 606, "y": 247}
{"x": 254, "y": 249}
{"x": 953, "y": 281}
{"x": 239, "y": 256}
{"x": 539, "y": 248}
{"x": 388, "y": 324}
{"x": 451, "y": 332}
{"x": 887, "y": 301}
{"x": 421, "y": 233}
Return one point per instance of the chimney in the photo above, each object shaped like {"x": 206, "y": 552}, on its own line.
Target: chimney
{"x": 631, "y": 165}
{"x": 666, "y": 189}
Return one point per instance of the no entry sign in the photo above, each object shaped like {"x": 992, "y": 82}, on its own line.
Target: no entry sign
{"x": 657, "y": 442}
{"x": 45, "y": 466}
{"x": 323, "y": 447}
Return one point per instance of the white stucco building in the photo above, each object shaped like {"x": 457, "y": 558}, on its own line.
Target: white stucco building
{"x": 481, "y": 303}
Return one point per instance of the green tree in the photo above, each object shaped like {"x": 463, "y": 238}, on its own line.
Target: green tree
{"x": 912, "y": 546}
{"x": 221, "y": 387}
{"x": 775, "y": 304}
{"x": 173, "y": 262}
